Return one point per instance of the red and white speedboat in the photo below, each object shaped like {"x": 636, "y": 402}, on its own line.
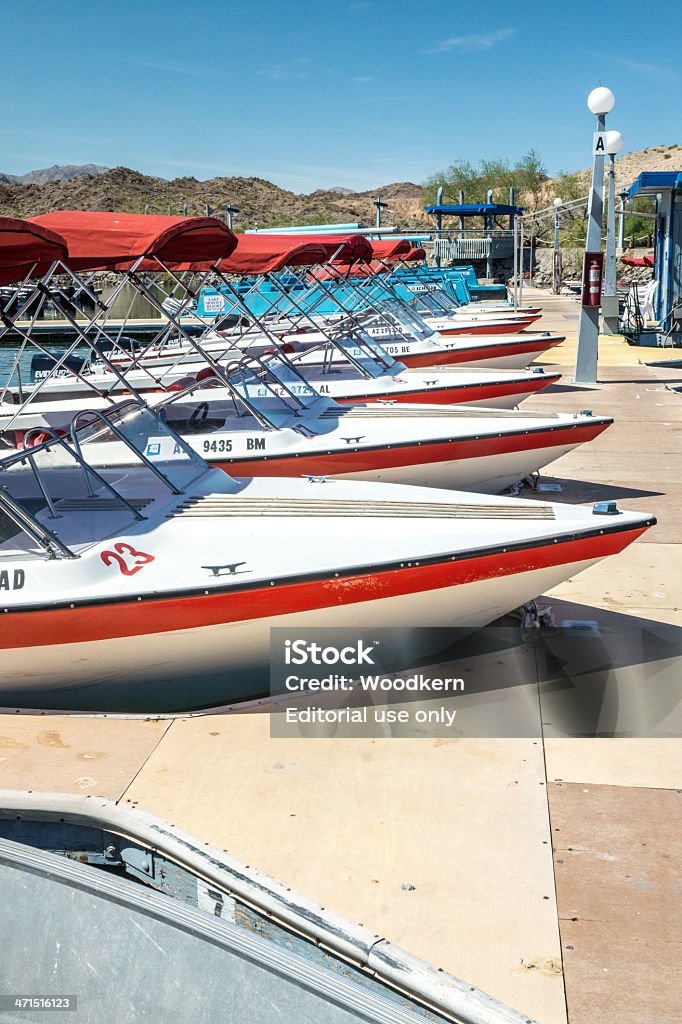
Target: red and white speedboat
{"x": 508, "y": 352}
{"x": 153, "y": 587}
{"x": 362, "y": 370}
{"x": 266, "y": 420}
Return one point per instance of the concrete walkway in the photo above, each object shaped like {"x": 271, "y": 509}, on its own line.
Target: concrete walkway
{"x": 546, "y": 872}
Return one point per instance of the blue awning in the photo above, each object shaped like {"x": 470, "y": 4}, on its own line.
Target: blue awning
{"x": 476, "y": 209}
{"x": 651, "y": 182}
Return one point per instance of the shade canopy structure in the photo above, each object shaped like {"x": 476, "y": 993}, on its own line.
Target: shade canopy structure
{"x": 262, "y": 254}
{"x": 340, "y": 248}
{"x": 650, "y": 183}
{"x": 337, "y": 271}
{"x": 27, "y": 250}
{"x": 664, "y": 188}
{"x": 475, "y": 209}
{"x": 115, "y": 241}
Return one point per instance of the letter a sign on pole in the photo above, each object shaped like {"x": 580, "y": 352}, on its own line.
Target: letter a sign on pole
{"x": 599, "y": 143}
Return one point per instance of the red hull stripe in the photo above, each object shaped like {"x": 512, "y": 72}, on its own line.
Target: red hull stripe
{"x": 357, "y": 460}
{"x": 447, "y": 356}
{"x": 158, "y": 614}
{"x": 456, "y": 394}
{"x": 491, "y": 327}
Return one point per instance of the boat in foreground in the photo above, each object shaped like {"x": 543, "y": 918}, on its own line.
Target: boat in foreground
{"x": 195, "y": 934}
{"x": 153, "y": 587}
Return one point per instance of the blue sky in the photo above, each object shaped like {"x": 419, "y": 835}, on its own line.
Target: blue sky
{"x": 311, "y": 95}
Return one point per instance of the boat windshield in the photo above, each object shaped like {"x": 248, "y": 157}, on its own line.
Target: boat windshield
{"x": 427, "y": 297}
{"x": 18, "y": 537}
{"x": 272, "y": 389}
{"x": 131, "y": 430}
{"x": 363, "y": 350}
{"x": 409, "y": 318}
{"x": 289, "y": 377}
{"x": 67, "y": 492}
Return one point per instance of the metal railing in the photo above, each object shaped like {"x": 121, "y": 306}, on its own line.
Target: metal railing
{"x": 462, "y": 248}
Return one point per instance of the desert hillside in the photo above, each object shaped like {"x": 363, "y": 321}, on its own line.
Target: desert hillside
{"x": 261, "y": 203}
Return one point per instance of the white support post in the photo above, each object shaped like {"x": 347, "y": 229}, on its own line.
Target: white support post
{"x": 600, "y": 102}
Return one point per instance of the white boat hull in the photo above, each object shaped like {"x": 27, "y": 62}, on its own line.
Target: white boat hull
{"x": 195, "y": 668}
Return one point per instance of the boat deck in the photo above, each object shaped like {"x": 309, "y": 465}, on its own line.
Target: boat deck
{"x": 544, "y": 871}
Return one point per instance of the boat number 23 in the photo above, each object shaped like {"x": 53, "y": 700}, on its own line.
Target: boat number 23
{"x": 127, "y": 558}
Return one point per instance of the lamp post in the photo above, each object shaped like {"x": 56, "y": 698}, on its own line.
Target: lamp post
{"x": 600, "y": 102}
{"x": 556, "y": 265}
{"x": 379, "y": 207}
{"x": 230, "y": 212}
{"x": 614, "y": 144}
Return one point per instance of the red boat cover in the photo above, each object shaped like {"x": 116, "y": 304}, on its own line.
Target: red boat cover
{"x": 27, "y": 248}
{"x": 116, "y": 240}
{"x": 389, "y": 249}
{"x": 259, "y": 254}
{"x": 639, "y": 261}
{"x": 414, "y": 255}
{"x": 348, "y": 247}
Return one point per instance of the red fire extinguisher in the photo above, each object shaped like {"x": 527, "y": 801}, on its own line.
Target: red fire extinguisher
{"x": 594, "y": 284}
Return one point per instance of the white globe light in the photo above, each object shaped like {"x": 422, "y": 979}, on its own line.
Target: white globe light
{"x": 613, "y": 143}
{"x": 558, "y": 202}
{"x": 601, "y": 100}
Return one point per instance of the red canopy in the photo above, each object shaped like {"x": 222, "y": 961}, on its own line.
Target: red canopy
{"x": 413, "y": 255}
{"x": 390, "y": 248}
{"x": 259, "y": 254}
{"x": 25, "y": 248}
{"x": 116, "y": 240}
{"x": 348, "y": 247}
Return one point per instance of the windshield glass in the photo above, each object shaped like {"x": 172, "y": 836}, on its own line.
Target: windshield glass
{"x": 269, "y": 392}
{"x": 50, "y": 501}
{"x": 361, "y": 348}
{"x": 131, "y": 430}
{"x": 409, "y": 318}
{"x": 290, "y": 381}
{"x": 15, "y": 542}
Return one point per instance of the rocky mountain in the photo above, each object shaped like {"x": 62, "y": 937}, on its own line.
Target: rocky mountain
{"x": 57, "y": 172}
{"x": 260, "y": 202}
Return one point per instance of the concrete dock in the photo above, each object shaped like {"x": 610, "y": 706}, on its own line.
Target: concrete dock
{"x": 546, "y": 871}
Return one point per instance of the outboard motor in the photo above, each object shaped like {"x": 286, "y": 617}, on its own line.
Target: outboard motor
{"x": 43, "y": 364}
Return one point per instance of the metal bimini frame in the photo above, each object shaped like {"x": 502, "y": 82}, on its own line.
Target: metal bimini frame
{"x": 213, "y": 361}
{"x": 15, "y": 510}
{"x": 371, "y": 290}
{"x": 52, "y": 545}
{"x": 351, "y": 316}
{"x": 54, "y": 294}
{"x": 333, "y": 332}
